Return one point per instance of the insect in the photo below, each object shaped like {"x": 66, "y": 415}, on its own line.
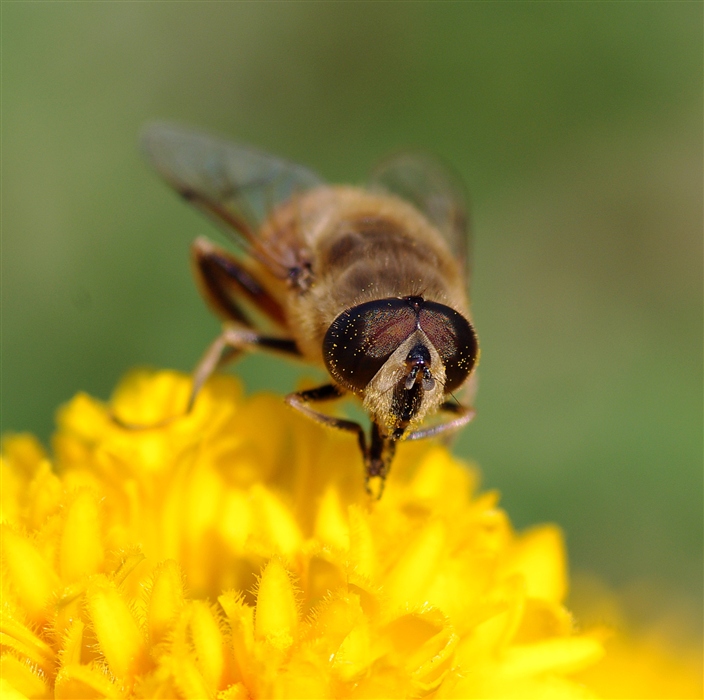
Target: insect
{"x": 368, "y": 282}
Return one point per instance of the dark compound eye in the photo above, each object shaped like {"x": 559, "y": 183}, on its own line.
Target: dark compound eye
{"x": 454, "y": 339}
{"x": 361, "y": 339}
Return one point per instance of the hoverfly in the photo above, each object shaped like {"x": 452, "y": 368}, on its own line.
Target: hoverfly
{"x": 368, "y": 282}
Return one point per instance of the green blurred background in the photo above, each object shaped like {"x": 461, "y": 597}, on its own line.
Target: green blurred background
{"x": 578, "y": 129}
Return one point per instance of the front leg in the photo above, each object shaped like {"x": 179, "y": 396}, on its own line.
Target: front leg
{"x": 327, "y": 392}
{"x": 377, "y": 457}
{"x": 378, "y": 461}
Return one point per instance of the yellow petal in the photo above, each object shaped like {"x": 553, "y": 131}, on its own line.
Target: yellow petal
{"x": 541, "y": 620}
{"x": 166, "y": 599}
{"x": 23, "y": 677}
{"x": 160, "y": 684}
{"x": 385, "y": 680}
{"x": 189, "y": 680}
{"x": 326, "y": 573}
{"x": 353, "y": 656}
{"x": 83, "y": 418}
{"x": 276, "y": 614}
{"x": 85, "y": 682}
{"x": 81, "y": 548}
{"x": 21, "y": 461}
{"x": 236, "y": 521}
{"x": 501, "y": 615}
{"x": 440, "y": 476}
{"x": 556, "y": 655}
{"x": 72, "y": 646}
{"x": 32, "y": 579}
{"x": 330, "y": 524}
{"x": 9, "y": 692}
{"x": 13, "y": 484}
{"x": 207, "y": 643}
{"x": 241, "y": 619}
{"x": 44, "y": 495}
{"x": 425, "y": 643}
{"x": 538, "y": 555}
{"x": 147, "y": 398}
{"x": 417, "y": 567}
{"x": 15, "y": 635}
{"x": 123, "y": 563}
{"x": 24, "y": 453}
{"x": 302, "y": 678}
{"x": 202, "y": 507}
{"x": 119, "y": 637}
{"x": 279, "y": 529}
{"x": 334, "y": 620}
{"x": 363, "y": 554}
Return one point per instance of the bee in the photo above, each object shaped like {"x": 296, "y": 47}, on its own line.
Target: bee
{"x": 369, "y": 283}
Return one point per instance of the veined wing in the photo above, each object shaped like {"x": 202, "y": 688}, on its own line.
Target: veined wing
{"x": 434, "y": 189}
{"x": 235, "y": 185}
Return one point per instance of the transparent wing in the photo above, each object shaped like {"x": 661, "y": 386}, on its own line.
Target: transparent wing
{"x": 433, "y": 188}
{"x": 233, "y": 184}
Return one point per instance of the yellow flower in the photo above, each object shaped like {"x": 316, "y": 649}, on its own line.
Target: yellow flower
{"x": 233, "y": 553}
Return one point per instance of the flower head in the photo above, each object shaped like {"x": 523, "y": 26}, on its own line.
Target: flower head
{"x": 233, "y": 553}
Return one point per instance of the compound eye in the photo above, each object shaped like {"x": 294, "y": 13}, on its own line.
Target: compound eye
{"x": 454, "y": 339}
{"x": 361, "y": 339}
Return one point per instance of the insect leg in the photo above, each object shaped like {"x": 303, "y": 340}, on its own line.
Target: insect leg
{"x": 463, "y": 415}
{"x": 227, "y": 346}
{"x": 224, "y": 215}
{"x": 377, "y": 457}
{"x": 301, "y": 399}
{"x": 224, "y": 279}
{"x": 378, "y": 461}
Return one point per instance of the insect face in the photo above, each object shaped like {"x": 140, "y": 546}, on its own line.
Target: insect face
{"x": 401, "y": 356}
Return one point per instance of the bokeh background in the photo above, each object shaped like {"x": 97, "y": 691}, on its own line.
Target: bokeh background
{"x": 578, "y": 129}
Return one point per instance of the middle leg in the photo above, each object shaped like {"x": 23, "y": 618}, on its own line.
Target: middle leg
{"x": 462, "y": 416}
{"x": 230, "y": 343}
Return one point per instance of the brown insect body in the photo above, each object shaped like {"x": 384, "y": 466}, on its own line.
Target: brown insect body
{"x": 359, "y": 247}
{"x": 369, "y": 284}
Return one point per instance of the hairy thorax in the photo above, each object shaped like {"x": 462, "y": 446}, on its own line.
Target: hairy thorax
{"x": 359, "y": 246}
